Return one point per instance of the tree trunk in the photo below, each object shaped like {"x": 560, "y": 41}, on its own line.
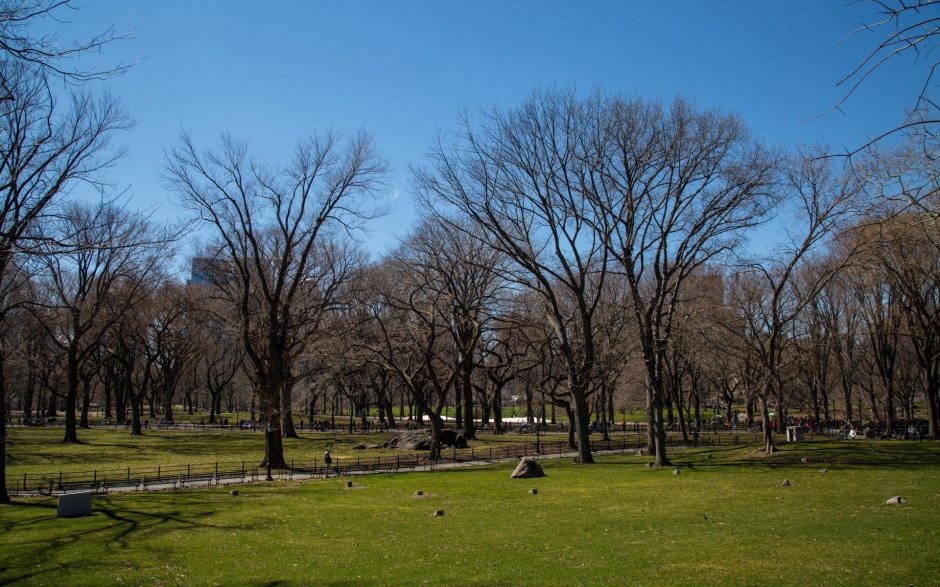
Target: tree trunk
{"x": 660, "y": 430}
{"x": 287, "y": 418}
{"x": 769, "y": 446}
{"x": 136, "y": 408}
{"x": 497, "y": 408}
{"x": 437, "y": 425}
{"x": 274, "y": 445}
{"x": 214, "y": 399}
{"x": 570, "y": 413}
{"x": 847, "y": 397}
{"x": 71, "y": 395}
{"x": 581, "y": 421}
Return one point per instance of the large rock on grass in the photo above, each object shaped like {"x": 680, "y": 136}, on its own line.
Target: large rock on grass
{"x": 411, "y": 440}
{"x": 528, "y": 468}
{"x": 422, "y": 439}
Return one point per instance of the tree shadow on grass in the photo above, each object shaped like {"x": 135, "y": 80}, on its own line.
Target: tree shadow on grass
{"x": 126, "y": 517}
{"x": 50, "y": 545}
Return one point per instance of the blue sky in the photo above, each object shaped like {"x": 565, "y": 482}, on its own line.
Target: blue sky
{"x": 271, "y": 72}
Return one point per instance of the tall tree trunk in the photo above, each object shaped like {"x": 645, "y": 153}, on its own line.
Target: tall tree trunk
{"x": 769, "y": 446}
{"x": 497, "y": 408}
{"x": 437, "y": 426}
{"x": 581, "y": 421}
{"x": 571, "y": 428}
{"x": 287, "y": 418}
{"x": 71, "y": 395}
{"x": 389, "y": 412}
{"x": 214, "y": 399}
{"x": 660, "y": 429}
{"x": 274, "y": 445}
{"x": 136, "y": 409}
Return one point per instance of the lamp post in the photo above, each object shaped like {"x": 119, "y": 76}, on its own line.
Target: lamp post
{"x": 267, "y": 449}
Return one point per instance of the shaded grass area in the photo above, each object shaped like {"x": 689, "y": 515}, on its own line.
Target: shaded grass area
{"x": 724, "y": 520}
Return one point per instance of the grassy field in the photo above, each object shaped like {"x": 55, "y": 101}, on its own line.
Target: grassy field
{"x": 724, "y": 520}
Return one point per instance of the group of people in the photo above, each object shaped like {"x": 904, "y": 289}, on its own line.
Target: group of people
{"x": 849, "y": 432}
{"x": 318, "y": 425}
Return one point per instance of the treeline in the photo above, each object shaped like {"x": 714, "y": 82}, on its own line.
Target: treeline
{"x": 576, "y": 254}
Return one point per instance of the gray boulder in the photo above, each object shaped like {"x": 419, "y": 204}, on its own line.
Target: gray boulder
{"x": 411, "y": 440}
{"x": 528, "y": 468}
{"x": 422, "y": 439}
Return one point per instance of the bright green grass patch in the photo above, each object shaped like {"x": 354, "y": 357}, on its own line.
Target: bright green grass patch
{"x": 722, "y": 521}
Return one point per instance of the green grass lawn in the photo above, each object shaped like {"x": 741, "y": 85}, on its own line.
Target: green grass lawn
{"x": 723, "y": 521}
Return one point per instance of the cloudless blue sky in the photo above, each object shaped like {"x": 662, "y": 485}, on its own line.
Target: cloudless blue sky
{"x": 271, "y": 72}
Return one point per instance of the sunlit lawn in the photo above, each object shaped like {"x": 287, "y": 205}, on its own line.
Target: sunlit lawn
{"x": 723, "y": 521}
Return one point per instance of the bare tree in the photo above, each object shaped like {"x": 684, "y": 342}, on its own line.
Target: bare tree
{"x": 172, "y": 338}
{"x": 823, "y": 200}
{"x": 875, "y": 295}
{"x": 907, "y": 248}
{"x": 98, "y": 264}
{"x": 522, "y": 177}
{"x": 45, "y": 149}
{"x": 407, "y": 326}
{"x": 279, "y": 252}
{"x": 466, "y": 273}
{"x": 680, "y": 187}
{"x": 220, "y": 359}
